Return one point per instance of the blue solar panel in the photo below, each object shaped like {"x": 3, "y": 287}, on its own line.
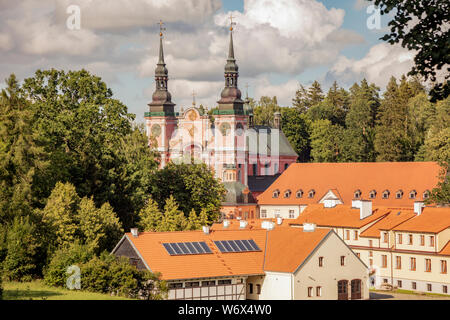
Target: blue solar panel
{"x": 247, "y": 245}
{"x": 191, "y": 248}
{"x": 169, "y": 248}
{"x": 185, "y": 248}
{"x": 237, "y": 246}
{"x": 254, "y": 245}
{"x": 198, "y": 247}
{"x": 227, "y": 246}
{"x": 234, "y": 246}
{"x": 220, "y": 246}
{"x": 205, "y": 247}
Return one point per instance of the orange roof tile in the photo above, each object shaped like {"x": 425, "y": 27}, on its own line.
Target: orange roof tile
{"x": 339, "y": 216}
{"x": 349, "y": 177}
{"x": 253, "y": 224}
{"x": 446, "y": 250}
{"x": 287, "y": 248}
{"x": 149, "y": 245}
{"x": 432, "y": 219}
{"x": 393, "y": 219}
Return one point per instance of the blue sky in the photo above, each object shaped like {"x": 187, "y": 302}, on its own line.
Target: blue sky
{"x": 279, "y": 45}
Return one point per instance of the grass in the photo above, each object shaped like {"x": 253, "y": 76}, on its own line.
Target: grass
{"x": 419, "y": 293}
{"x": 37, "y": 290}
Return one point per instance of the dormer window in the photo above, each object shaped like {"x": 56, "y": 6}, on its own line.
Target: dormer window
{"x": 299, "y": 193}
{"x": 412, "y": 194}
{"x": 287, "y": 193}
{"x": 385, "y": 194}
{"x": 399, "y": 194}
{"x": 426, "y": 194}
{"x": 357, "y": 194}
{"x": 311, "y": 193}
{"x": 372, "y": 194}
{"x": 276, "y": 194}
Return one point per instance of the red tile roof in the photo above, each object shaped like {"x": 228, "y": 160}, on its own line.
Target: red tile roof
{"x": 252, "y": 224}
{"x": 393, "y": 219}
{"x": 432, "y": 219}
{"x": 446, "y": 250}
{"x": 349, "y": 177}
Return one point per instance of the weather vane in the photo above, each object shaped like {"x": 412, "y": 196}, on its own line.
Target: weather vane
{"x": 161, "y": 28}
{"x": 231, "y": 22}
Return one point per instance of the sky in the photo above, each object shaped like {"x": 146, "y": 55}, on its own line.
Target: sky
{"x": 279, "y": 44}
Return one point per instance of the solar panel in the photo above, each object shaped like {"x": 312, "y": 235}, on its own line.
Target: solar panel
{"x": 185, "y": 248}
{"x": 237, "y": 246}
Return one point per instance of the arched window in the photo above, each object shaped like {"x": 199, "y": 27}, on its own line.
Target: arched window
{"x": 286, "y": 165}
{"x": 357, "y": 194}
{"x": 311, "y": 193}
{"x": 372, "y": 194}
{"x": 412, "y": 194}
{"x": 276, "y": 194}
{"x": 287, "y": 193}
{"x": 399, "y": 194}
{"x": 385, "y": 194}
{"x": 299, "y": 193}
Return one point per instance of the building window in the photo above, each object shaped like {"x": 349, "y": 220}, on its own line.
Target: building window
{"x": 399, "y": 194}
{"x": 410, "y": 237}
{"x": 299, "y": 193}
{"x": 275, "y": 168}
{"x": 291, "y": 214}
{"x": 342, "y": 260}
{"x": 370, "y": 262}
{"x": 400, "y": 239}
{"x": 385, "y": 280}
{"x": 320, "y": 261}
{"x": 412, "y": 194}
{"x": 372, "y": 194}
{"x": 385, "y": 194}
{"x": 358, "y": 254}
{"x": 193, "y": 284}
{"x": 370, "y": 253}
{"x": 431, "y": 241}
{"x": 412, "y": 264}
{"x": 399, "y": 283}
{"x": 264, "y": 213}
{"x": 370, "y": 243}
{"x": 429, "y": 287}
{"x": 209, "y": 283}
{"x": 254, "y": 169}
{"x": 443, "y": 266}
{"x": 310, "y": 291}
{"x": 347, "y": 234}
{"x": 286, "y": 165}
{"x": 250, "y": 288}
{"x": 414, "y": 285}
{"x": 319, "y": 291}
{"x": 357, "y": 194}
{"x": 444, "y": 289}
{"x": 287, "y": 193}
{"x": 175, "y": 285}
{"x": 276, "y": 193}
{"x": 427, "y": 265}
{"x": 385, "y": 237}
{"x": 355, "y": 235}
{"x": 398, "y": 262}
{"x": 258, "y": 289}
{"x": 228, "y": 281}
{"x": 384, "y": 261}
{"x": 422, "y": 240}
{"x": 311, "y": 193}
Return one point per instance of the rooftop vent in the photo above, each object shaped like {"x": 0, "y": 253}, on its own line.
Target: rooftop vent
{"x": 243, "y": 224}
{"x": 364, "y": 206}
{"x": 279, "y": 220}
{"x": 205, "y": 229}
{"x": 226, "y": 223}
{"x": 418, "y": 207}
{"x": 134, "y": 232}
{"x": 309, "y": 227}
{"x": 268, "y": 225}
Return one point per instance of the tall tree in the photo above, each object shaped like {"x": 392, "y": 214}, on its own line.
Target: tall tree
{"x": 296, "y": 128}
{"x": 263, "y": 112}
{"x": 301, "y": 100}
{"x": 422, "y": 26}
{"x": 325, "y": 141}
{"x": 173, "y": 218}
{"x": 150, "y": 217}
{"x": 315, "y": 93}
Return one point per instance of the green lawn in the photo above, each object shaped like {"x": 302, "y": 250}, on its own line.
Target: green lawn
{"x": 37, "y": 290}
{"x": 420, "y": 293}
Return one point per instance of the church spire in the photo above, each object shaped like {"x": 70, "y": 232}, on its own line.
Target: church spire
{"x": 161, "y": 99}
{"x": 231, "y": 95}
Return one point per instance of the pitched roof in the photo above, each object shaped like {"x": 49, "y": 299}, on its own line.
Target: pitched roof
{"x": 393, "y": 219}
{"x": 287, "y": 248}
{"x": 446, "y": 250}
{"x": 282, "y": 148}
{"x": 349, "y": 177}
{"x": 149, "y": 245}
{"x": 260, "y": 183}
{"x": 338, "y": 216}
{"x": 432, "y": 219}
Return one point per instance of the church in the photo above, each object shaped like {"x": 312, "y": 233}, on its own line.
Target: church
{"x": 246, "y": 157}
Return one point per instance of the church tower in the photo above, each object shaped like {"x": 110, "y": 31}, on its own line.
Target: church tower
{"x": 161, "y": 120}
{"x": 231, "y": 124}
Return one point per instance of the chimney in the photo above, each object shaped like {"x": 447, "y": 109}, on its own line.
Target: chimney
{"x": 309, "y": 227}
{"x": 279, "y": 220}
{"x": 134, "y": 232}
{"x": 268, "y": 225}
{"x": 205, "y": 229}
{"x": 418, "y": 207}
{"x": 277, "y": 120}
{"x": 226, "y": 223}
{"x": 364, "y": 206}
{"x": 243, "y": 224}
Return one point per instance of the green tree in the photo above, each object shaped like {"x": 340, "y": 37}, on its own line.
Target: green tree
{"x": 173, "y": 218}
{"x": 440, "y": 195}
{"x": 193, "y": 222}
{"x": 315, "y": 93}
{"x": 301, "y": 100}
{"x": 150, "y": 217}
{"x": 203, "y": 218}
{"x": 296, "y": 128}
{"x": 22, "y": 261}
{"x": 338, "y": 97}
{"x": 325, "y": 110}
{"x": 263, "y": 112}
{"x": 325, "y": 141}
{"x": 422, "y": 26}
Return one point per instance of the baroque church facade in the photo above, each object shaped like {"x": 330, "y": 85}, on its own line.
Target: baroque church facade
{"x": 246, "y": 157}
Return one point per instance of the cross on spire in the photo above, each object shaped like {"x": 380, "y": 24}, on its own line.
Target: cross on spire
{"x": 246, "y": 87}
{"x": 231, "y": 22}
{"x": 193, "y": 98}
{"x": 161, "y": 28}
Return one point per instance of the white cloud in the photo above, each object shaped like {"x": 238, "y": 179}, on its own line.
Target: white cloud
{"x": 284, "y": 91}
{"x": 6, "y": 42}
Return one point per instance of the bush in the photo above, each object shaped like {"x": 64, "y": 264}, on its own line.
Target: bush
{"x": 109, "y": 274}
{"x": 1, "y": 286}
{"x": 56, "y": 272}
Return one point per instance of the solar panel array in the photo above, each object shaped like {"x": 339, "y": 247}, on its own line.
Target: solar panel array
{"x": 237, "y": 246}
{"x": 181, "y": 248}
